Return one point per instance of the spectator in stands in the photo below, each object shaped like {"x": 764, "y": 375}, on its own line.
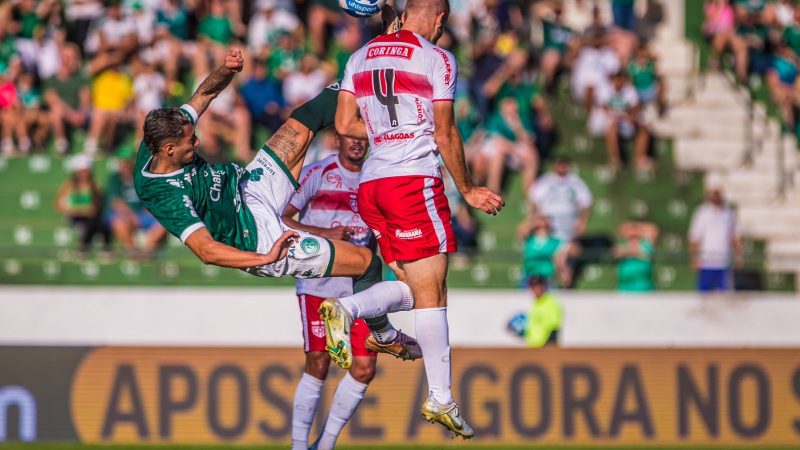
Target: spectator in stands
{"x": 762, "y": 10}
{"x": 81, "y": 201}
{"x": 634, "y": 255}
{"x": 545, "y": 315}
{"x": 720, "y": 29}
{"x": 781, "y": 80}
{"x": 263, "y": 97}
{"x": 650, "y": 87}
{"x": 32, "y": 124}
{"x": 149, "y": 92}
{"x": 112, "y": 91}
{"x": 124, "y": 213}
{"x": 559, "y": 43}
{"x": 564, "y": 199}
{"x": 595, "y": 63}
{"x": 791, "y": 34}
{"x": 624, "y": 14}
{"x": 172, "y": 34}
{"x": 9, "y": 106}
{"x": 215, "y": 32}
{"x": 266, "y": 24}
{"x": 544, "y": 255}
{"x": 285, "y": 57}
{"x": 755, "y": 37}
{"x": 115, "y": 36}
{"x": 714, "y": 243}
{"x": 322, "y": 14}
{"x": 68, "y": 98}
{"x": 617, "y": 115}
{"x": 304, "y": 84}
{"x": 79, "y": 15}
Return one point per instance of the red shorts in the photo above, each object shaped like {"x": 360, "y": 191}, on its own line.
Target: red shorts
{"x": 314, "y": 328}
{"x": 409, "y": 216}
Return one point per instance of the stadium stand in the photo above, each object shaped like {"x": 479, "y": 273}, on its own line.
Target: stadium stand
{"x": 37, "y": 246}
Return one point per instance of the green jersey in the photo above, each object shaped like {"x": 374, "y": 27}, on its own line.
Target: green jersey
{"x": 200, "y": 194}
{"x": 643, "y": 75}
{"x": 556, "y": 36}
{"x": 538, "y": 255}
{"x": 791, "y": 37}
{"x": 119, "y": 188}
{"x": 635, "y": 274}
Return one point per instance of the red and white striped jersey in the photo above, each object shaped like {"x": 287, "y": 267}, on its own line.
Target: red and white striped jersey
{"x": 396, "y": 78}
{"x": 327, "y": 199}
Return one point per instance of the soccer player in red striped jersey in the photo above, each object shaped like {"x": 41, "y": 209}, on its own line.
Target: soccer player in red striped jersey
{"x": 326, "y": 204}
{"x": 398, "y": 92}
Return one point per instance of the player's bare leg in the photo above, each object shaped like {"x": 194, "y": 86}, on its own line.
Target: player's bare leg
{"x": 428, "y": 281}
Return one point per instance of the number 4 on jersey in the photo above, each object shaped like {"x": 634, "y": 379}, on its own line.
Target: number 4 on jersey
{"x": 385, "y": 78}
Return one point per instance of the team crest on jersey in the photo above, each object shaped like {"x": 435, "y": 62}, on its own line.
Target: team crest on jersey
{"x": 318, "y": 328}
{"x": 354, "y": 203}
{"x": 390, "y": 51}
{"x": 310, "y": 246}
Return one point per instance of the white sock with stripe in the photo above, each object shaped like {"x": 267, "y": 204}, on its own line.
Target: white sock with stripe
{"x": 345, "y": 401}
{"x": 433, "y": 337}
{"x": 306, "y": 399}
{"x": 382, "y": 298}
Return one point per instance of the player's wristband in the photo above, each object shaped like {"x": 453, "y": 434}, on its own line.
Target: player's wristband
{"x": 190, "y": 113}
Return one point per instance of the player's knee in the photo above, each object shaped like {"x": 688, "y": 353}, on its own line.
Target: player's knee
{"x": 363, "y": 372}
{"x": 317, "y": 364}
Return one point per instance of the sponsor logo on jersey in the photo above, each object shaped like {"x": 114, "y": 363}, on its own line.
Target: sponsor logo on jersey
{"x": 390, "y": 51}
{"x": 318, "y": 328}
{"x": 416, "y": 233}
{"x": 334, "y": 179}
{"x": 420, "y": 111}
{"x": 447, "y": 67}
{"x": 215, "y": 191}
{"x": 310, "y": 246}
{"x": 393, "y": 137}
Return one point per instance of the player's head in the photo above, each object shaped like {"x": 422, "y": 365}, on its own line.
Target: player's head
{"x": 169, "y": 133}
{"x": 427, "y": 17}
{"x": 352, "y": 150}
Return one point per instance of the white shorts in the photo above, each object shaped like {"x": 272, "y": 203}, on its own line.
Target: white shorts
{"x": 599, "y": 121}
{"x": 267, "y": 192}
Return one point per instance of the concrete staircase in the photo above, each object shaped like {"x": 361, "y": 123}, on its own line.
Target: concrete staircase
{"x": 741, "y": 151}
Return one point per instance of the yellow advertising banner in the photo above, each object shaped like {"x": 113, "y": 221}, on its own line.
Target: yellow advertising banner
{"x": 508, "y": 395}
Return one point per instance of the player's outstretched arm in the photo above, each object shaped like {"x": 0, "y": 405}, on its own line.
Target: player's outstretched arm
{"x": 217, "y": 81}
{"x": 213, "y": 252}
{"x": 348, "y": 122}
{"x": 452, "y": 150}
{"x": 340, "y": 233}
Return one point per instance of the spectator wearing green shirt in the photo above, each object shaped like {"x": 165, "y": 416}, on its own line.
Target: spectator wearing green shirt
{"x": 215, "y": 32}
{"x": 634, "y": 255}
{"x": 125, "y": 214}
{"x": 545, "y": 316}
{"x": 544, "y": 255}
{"x": 68, "y": 97}
{"x": 643, "y": 70}
{"x": 559, "y": 43}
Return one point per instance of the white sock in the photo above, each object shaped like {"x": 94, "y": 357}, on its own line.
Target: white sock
{"x": 345, "y": 401}
{"x": 382, "y": 298}
{"x": 306, "y": 399}
{"x": 433, "y": 337}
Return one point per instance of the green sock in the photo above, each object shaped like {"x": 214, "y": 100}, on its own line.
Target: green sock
{"x": 380, "y": 325}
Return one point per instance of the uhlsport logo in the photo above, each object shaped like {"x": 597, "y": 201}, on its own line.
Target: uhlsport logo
{"x": 310, "y": 246}
{"x": 361, "y": 8}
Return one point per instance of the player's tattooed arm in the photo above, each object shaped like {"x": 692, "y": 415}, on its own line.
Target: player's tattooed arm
{"x": 217, "y": 81}
{"x": 203, "y": 245}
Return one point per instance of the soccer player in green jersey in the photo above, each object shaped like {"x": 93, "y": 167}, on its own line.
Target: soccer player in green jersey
{"x": 230, "y": 216}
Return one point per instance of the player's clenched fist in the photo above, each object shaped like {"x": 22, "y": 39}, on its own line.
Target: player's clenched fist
{"x": 234, "y": 61}
{"x": 485, "y": 200}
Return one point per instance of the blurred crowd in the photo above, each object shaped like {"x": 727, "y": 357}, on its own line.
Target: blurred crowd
{"x": 762, "y": 39}
{"x": 77, "y": 77}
